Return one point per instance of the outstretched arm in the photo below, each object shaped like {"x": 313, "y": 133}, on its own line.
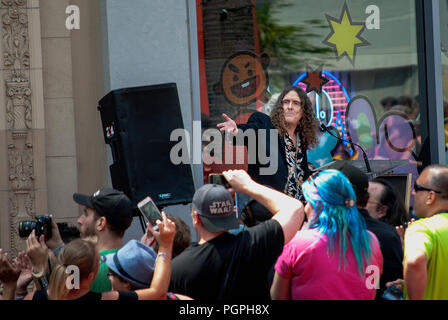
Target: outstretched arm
{"x": 288, "y": 211}
{"x": 162, "y": 272}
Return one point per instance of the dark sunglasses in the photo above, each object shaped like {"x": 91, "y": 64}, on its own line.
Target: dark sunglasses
{"x": 418, "y": 188}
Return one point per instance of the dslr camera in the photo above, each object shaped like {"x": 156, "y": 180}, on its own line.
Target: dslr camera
{"x": 42, "y": 225}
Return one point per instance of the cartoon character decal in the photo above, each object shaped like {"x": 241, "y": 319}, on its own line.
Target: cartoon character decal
{"x": 243, "y": 78}
{"x": 391, "y": 137}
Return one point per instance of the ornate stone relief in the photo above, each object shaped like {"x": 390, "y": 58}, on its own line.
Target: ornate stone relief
{"x": 16, "y": 60}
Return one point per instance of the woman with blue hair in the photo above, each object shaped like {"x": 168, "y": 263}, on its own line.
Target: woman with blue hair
{"x": 334, "y": 256}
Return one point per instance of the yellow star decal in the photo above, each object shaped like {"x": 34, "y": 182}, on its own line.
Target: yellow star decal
{"x": 345, "y": 36}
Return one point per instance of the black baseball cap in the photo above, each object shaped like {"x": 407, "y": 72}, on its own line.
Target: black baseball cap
{"x": 109, "y": 203}
{"x": 357, "y": 178}
{"x": 214, "y": 205}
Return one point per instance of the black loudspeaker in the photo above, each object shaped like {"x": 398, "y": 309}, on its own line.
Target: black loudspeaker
{"x": 137, "y": 124}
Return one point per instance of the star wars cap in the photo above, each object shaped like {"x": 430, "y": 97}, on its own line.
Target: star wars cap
{"x": 214, "y": 205}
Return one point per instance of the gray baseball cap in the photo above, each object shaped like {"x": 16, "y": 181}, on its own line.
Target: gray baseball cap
{"x": 214, "y": 205}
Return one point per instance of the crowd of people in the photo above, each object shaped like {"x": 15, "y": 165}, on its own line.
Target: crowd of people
{"x": 324, "y": 235}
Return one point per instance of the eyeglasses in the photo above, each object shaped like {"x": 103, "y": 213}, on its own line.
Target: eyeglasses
{"x": 418, "y": 188}
{"x": 375, "y": 202}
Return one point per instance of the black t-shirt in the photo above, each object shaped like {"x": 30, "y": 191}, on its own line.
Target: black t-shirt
{"x": 229, "y": 266}
{"x": 391, "y": 248}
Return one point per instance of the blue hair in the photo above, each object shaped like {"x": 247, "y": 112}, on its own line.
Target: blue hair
{"x": 333, "y": 199}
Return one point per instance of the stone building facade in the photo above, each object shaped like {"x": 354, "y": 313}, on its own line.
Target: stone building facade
{"x": 51, "y": 79}
{"x": 50, "y": 132}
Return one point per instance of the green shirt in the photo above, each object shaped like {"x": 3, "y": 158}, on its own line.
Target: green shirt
{"x": 102, "y": 283}
{"x": 430, "y": 235}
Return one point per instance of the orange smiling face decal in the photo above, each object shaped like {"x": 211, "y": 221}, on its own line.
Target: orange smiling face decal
{"x": 243, "y": 78}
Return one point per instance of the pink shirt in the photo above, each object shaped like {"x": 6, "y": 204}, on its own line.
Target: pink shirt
{"x": 315, "y": 276}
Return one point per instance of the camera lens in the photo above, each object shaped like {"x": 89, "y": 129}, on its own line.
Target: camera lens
{"x": 43, "y": 226}
{"x": 26, "y": 227}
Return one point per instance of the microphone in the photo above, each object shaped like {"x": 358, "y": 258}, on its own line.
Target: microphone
{"x": 324, "y": 128}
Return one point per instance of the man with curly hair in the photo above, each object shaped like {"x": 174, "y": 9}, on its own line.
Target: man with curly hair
{"x": 298, "y": 130}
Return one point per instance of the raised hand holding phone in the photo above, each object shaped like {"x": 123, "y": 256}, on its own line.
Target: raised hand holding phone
{"x": 149, "y": 210}
{"x": 239, "y": 180}
{"x": 164, "y": 234}
{"x": 218, "y": 178}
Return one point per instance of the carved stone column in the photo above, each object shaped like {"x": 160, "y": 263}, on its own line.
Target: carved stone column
{"x": 19, "y": 116}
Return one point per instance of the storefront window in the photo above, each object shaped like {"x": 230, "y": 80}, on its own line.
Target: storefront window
{"x": 356, "y": 60}
{"x": 444, "y": 45}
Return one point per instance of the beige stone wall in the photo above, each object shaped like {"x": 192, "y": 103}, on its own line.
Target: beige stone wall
{"x": 56, "y": 149}
{"x": 23, "y": 183}
{"x": 59, "y": 109}
{"x": 88, "y": 89}
{"x": 73, "y": 84}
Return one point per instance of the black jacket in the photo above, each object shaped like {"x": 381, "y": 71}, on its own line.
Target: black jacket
{"x": 391, "y": 248}
{"x": 277, "y": 180}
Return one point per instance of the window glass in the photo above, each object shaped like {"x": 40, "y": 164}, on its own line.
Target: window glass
{"x": 357, "y": 61}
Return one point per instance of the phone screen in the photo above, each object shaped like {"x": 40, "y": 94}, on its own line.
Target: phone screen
{"x": 218, "y": 179}
{"x": 392, "y": 293}
{"x": 149, "y": 209}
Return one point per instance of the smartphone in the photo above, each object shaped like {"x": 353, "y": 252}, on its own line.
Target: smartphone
{"x": 218, "y": 178}
{"x": 392, "y": 293}
{"x": 149, "y": 210}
